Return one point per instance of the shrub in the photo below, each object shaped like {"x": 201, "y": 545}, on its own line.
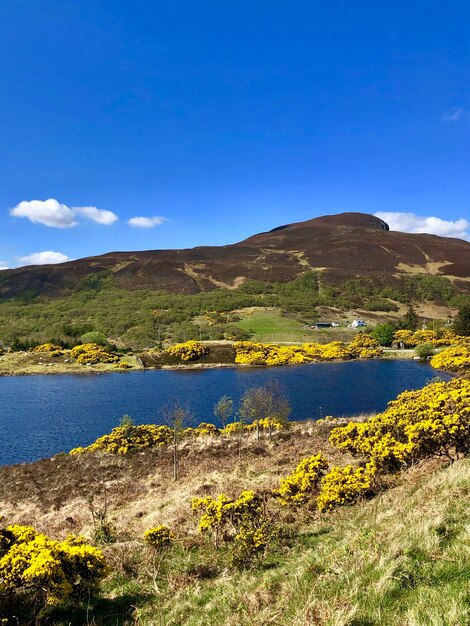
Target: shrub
{"x": 234, "y": 427}
{"x": 452, "y": 359}
{"x": 267, "y": 423}
{"x": 251, "y": 353}
{"x": 406, "y": 337}
{"x": 302, "y": 485}
{"x": 433, "y": 421}
{"x": 440, "y": 337}
{"x": 384, "y": 334}
{"x": 343, "y": 485}
{"x": 241, "y": 522}
{"x": 251, "y": 541}
{"x": 129, "y": 438}
{"x": 123, "y": 365}
{"x": 159, "y": 537}
{"x": 363, "y": 340}
{"x": 92, "y": 353}
{"x": 424, "y": 350}
{"x": 204, "y": 430}
{"x": 49, "y": 348}
{"x": 94, "y": 336}
{"x": 44, "y": 571}
{"x": 188, "y": 351}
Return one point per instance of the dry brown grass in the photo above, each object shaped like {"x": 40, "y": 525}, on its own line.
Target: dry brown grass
{"x": 53, "y": 494}
{"x": 400, "y": 558}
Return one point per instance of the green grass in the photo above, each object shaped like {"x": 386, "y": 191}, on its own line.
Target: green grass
{"x": 270, "y": 325}
{"x": 401, "y": 559}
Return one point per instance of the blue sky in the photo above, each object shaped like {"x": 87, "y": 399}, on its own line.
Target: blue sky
{"x": 225, "y": 119}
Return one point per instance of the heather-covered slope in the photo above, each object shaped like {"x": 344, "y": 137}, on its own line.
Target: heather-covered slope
{"x": 338, "y": 247}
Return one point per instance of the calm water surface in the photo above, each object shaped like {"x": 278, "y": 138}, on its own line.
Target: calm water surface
{"x": 43, "y": 415}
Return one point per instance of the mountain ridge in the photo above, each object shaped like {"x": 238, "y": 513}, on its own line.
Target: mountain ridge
{"x": 340, "y": 247}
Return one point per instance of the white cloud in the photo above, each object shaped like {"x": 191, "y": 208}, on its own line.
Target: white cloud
{"x": 411, "y": 223}
{"x": 146, "y": 222}
{"x": 3, "y": 266}
{"x": 47, "y": 212}
{"x": 56, "y": 215}
{"x": 42, "y": 258}
{"x": 100, "y": 216}
{"x": 453, "y": 115}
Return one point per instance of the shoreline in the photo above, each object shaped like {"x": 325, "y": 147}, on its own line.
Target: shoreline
{"x": 51, "y": 369}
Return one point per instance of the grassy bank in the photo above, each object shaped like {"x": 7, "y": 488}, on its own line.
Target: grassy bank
{"x": 401, "y": 558}
{"x": 30, "y": 363}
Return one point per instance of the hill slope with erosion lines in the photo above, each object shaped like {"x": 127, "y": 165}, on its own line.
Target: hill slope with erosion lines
{"x": 337, "y": 247}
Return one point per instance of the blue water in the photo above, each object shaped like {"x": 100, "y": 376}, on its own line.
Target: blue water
{"x": 43, "y": 415}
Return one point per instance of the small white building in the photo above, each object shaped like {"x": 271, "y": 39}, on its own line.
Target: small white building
{"x": 358, "y": 323}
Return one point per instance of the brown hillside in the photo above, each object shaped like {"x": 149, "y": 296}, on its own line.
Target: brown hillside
{"x": 339, "y": 246}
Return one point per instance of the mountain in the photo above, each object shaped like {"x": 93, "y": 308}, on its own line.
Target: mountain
{"x": 339, "y": 247}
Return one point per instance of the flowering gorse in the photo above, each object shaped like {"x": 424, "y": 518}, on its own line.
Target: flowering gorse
{"x": 92, "y": 353}
{"x": 343, "y": 485}
{"x": 453, "y": 359}
{"x": 125, "y": 439}
{"x": 440, "y": 337}
{"x": 54, "y": 571}
{"x": 302, "y": 485}
{"x": 159, "y": 537}
{"x": 240, "y": 521}
{"x": 49, "y": 348}
{"x": 433, "y": 421}
{"x": 204, "y": 429}
{"x": 188, "y": 351}
{"x": 251, "y": 353}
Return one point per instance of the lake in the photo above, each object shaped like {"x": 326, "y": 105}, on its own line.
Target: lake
{"x": 43, "y": 415}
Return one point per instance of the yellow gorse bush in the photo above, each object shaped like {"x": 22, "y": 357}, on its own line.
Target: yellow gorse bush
{"x": 50, "y": 348}
{"x": 125, "y": 439}
{"x": 46, "y": 347}
{"x": 343, "y": 485}
{"x": 223, "y": 511}
{"x": 252, "y": 541}
{"x": 266, "y": 423}
{"x": 123, "y": 365}
{"x": 205, "y": 429}
{"x": 241, "y": 520}
{"x": 251, "y": 353}
{"x": 130, "y": 438}
{"x": 302, "y": 485}
{"x": 60, "y": 570}
{"x": 234, "y": 427}
{"x": 159, "y": 537}
{"x": 188, "y": 351}
{"x": 92, "y": 353}
{"x": 364, "y": 346}
{"x": 452, "y": 359}
{"x": 440, "y": 337}
{"x": 433, "y": 421}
